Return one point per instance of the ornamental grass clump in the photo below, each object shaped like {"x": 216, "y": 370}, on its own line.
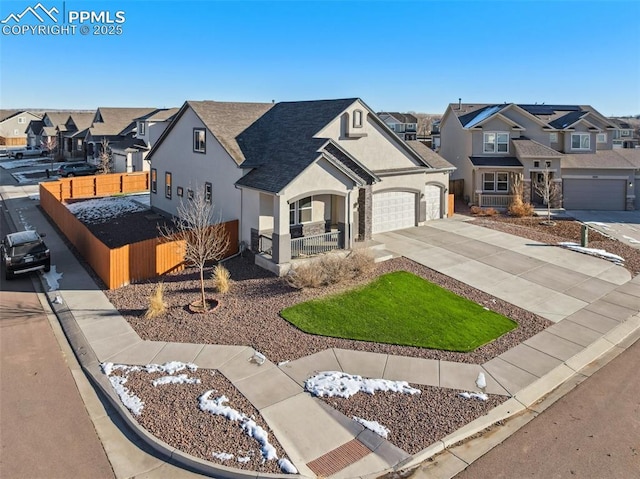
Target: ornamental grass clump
{"x": 221, "y": 279}
{"x": 157, "y": 306}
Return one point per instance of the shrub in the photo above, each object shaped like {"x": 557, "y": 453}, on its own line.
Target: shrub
{"x": 335, "y": 269}
{"x": 477, "y": 211}
{"x": 307, "y": 275}
{"x": 221, "y": 279}
{"x": 361, "y": 261}
{"x": 520, "y": 209}
{"x": 157, "y": 306}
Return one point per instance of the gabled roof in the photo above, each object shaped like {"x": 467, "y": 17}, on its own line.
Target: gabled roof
{"x": 399, "y": 117}
{"x": 549, "y": 116}
{"x": 59, "y": 117}
{"x": 6, "y": 114}
{"x": 530, "y": 148}
{"x": 117, "y": 121}
{"x": 430, "y": 157}
{"x": 35, "y": 126}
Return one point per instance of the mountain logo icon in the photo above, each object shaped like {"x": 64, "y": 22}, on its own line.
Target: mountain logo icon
{"x": 38, "y": 11}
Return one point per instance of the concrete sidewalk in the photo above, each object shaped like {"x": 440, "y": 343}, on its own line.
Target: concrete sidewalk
{"x": 587, "y": 327}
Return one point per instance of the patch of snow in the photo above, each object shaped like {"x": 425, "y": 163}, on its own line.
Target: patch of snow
{"x": 337, "y": 383}
{"x": 481, "y": 381}
{"x": 130, "y": 400}
{"x": 286, "y": 466}
{"x": 597, "y": 223}
{"x": 630, "y": 239}
{"x": 481, "y": 396}
{"x": 171, "y": 367}
{"x": 57, "y": 300}
{"x": 244, "y": 459}
{"x": 36, "y": 161}
{"x": 223, "y": 456}
{"x": 374, "y": 426}
{"x": 180, "y": 379}
{"x": 35, "y": 197}
{"x": 25, "y": 224}
{"x": 52, "y": 277}
{"x": 600, "y": 253}
{"x": 99, "y": 210}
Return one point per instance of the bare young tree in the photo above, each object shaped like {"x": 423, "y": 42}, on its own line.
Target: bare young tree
{"x": 205, "y": 237}
{"x": 50, "y": 145}
{"x": 105, "y": 162}
{"x": 549, "y": 190}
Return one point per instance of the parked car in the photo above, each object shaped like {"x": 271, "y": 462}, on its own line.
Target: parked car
{"x": 78, "y": 168}
{"x": 23, "y": 252}
{"x": 27, "y": 151}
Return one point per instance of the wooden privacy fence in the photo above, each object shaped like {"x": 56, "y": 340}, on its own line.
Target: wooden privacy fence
{"x": 451, "y": 205}
{"x": 129, "y": 263}
{"x": 99, "y": 185}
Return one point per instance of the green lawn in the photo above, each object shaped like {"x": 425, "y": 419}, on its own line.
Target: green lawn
{"x": 401, "y": 308}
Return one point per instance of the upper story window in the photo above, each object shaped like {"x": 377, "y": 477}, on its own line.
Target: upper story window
{"x": 495, "y": 142}
{"x": 553, "y": 137}
{"x": 16, "y": 132}
{"x": 357, "y": 118}
{"x": 601, "y": 138}
{"x": 167, "y": 185}
{"x": 199, "y": 140}
{"x": 580, "y": 141}
{"x": 300, "y": 211}
{"x": 411, "y": 126}
{"x": 154, "y": 180}
{"x": 141, "y": 128}
{"x": 22, "y": 120}
{"x": 625, "y": 132}
{"x": 208, "y": 192}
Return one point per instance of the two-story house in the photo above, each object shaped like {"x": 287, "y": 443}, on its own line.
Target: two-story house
{"x": 624, "y": 136}
{"x": 300, "y": 177}
{"x": 71, "y": 134}
{"x": 405, "y": 125}
{"x": 13, "y": 126}
{"x": 491, "y": 144}
{"x": 114, "y": 125}
{"x": 129, "y": 154}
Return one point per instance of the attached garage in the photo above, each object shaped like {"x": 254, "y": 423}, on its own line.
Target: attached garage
{"x": 594, "y": 194}
{"x": 432, "y": 197}
{"x": 393, "y": 210}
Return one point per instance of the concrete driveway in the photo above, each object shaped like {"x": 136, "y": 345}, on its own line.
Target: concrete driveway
{"x": 622, "y": 225}
{"x": 550, "y": 281}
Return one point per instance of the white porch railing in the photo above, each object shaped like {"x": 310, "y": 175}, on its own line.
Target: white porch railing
{"x": 495, "y": 201}
{"x": 316, "y": 244}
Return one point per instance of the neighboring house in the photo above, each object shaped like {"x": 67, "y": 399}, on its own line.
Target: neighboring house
{"x": 71, "y": 134}
{"x": 625, "y": 135}
{"x": 115, "y": 125}
{"x": 491, "y": 144}
{"x": 130, "y": 153}
{"x": 435, "y": 135}
{"x": 13, "y": 126}
{"x": 34, "y": 133}
{"x": 405, "y": 125}
{"x": 302, "y": 177}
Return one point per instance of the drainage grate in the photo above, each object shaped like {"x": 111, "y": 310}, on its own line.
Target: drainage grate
{"x": 339, "y": 458}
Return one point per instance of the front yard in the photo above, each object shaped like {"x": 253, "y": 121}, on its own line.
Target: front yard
{"x": 401, "y": 308}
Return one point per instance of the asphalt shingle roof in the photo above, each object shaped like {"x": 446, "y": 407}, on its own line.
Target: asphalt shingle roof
{"x": 433, "y": 159}
{"x": 401, "y": 117}
{"x": 497, "y": 161}
{"x": 118, "y": 121}
{"x": 604, "y": 159}
{"x": 530, "y": 148}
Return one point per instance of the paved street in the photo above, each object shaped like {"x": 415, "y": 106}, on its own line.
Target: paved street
{"x": 593, "y": 432}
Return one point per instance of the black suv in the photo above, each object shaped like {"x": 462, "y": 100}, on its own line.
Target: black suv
{"x": 79, "y": 168}
{"x": 24, "y": 251}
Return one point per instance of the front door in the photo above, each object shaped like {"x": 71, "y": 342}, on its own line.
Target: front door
{"x": 537, "y": 187}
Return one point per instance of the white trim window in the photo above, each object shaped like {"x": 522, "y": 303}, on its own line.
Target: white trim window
{"x": 495, "y": 181}
{"x": 141, "y": 128}
{"x": 357, "y": 118}
{"x": 199, "y": 140}
{"x": 495, "y": 142}
{"x": 601, "y": 138}
{"x": 300, "y": 211}
{"x": 580, "y": 141}
{"x": 553, "y": 137}
{"x": 21, "y": 120}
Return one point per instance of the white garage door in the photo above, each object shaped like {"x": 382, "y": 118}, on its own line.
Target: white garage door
{"x": 393, "y": 210}
{"x": 593, "y": 194}
{"x": 432, "y": 200}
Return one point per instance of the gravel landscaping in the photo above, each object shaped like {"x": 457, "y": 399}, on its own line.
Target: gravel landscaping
{"x": 248, "y": 315}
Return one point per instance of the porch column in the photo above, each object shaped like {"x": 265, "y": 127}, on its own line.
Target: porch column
{"x": 281, "y": 239}
{"x": 345, "y": 225}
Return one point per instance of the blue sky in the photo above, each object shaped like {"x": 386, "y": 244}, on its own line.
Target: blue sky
{"x": 398, "y": 55}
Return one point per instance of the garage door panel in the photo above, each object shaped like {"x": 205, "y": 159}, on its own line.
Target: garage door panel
{"x": 393, "y": 210}
{"x": 593, "y": 194}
